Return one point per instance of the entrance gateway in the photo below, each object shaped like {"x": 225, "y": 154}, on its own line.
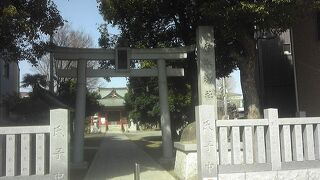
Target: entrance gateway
{"x": 205, "y": 112}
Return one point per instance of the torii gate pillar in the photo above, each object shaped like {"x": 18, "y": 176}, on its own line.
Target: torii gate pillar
{"x": 167, "y": 149}
{"x": 80, "y": 114}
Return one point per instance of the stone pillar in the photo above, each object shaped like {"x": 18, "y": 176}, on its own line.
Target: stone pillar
{"x": 80, "y": 113}
{"x": 206, "y": 66}
{"x": 167, "y": 146}
{"x": 273, "y": 138}
{"x": 206, "y": 112}
{"x": 59, "y": 142}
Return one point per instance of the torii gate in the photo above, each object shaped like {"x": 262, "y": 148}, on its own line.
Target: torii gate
{"x": 122, "y": 57}
{"x": 205, "y": 112}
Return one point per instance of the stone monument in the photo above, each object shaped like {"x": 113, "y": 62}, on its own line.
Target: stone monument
{"x": 203, "y": 149}
{"x": 186, "y": 155}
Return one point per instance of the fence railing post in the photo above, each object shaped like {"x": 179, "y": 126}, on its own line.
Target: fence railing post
{"x": 206, "y": 142}
{"x": 2, "y": 154}
{"x": 11, "y": 151}
{"x": 260, "y": 146}
{"x": 25, "y": 154}
{"x": 317, "y": 141}
{"x": 59, "y": 151}
{"x": 273, "y": 138}
{"x": 297, "y": 139}
{"x": 308, "y": 138}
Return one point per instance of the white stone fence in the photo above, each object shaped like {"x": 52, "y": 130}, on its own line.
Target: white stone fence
{"x": 36, "y": 152}
{"x": 271, "y": 144}
{"x": 268, "y": 144}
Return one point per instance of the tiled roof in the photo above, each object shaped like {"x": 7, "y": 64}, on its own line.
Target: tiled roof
{"x": 112, "y": 102}
{"x": 106, "y": 91}
{"x": 112, "y": 97}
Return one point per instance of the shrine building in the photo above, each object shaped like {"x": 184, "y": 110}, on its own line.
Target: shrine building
{"x": 114, "y": 104}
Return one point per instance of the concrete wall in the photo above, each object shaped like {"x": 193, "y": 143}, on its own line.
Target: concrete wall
{"x": 8, "y": 85}
{"x": 307, "y": 59}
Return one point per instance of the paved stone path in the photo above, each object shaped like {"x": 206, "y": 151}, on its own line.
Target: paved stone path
{"x": 115, "y": 160}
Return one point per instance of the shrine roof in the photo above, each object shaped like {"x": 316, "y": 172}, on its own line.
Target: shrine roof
{"x": 112, "y": 102}
{"x": 112, "y": 97}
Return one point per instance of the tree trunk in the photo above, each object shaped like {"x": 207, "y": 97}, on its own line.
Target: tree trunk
{"x": 249, "y": 82}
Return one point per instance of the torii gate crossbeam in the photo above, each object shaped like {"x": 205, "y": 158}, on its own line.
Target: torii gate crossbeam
{"x": 66, "y": 53}
{"x": 72, "y": 73}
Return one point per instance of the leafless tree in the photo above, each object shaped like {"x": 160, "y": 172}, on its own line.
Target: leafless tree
{"x": 67, "y": 37}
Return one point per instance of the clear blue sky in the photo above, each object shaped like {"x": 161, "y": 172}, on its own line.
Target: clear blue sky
{"x": 84, "y": 15}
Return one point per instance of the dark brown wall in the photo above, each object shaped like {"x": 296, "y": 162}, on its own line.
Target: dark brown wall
{"x": 307, "y": 57}
{"x": 277, "y": 76}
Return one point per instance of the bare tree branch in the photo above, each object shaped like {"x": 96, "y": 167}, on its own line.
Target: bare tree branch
{"x": 67, "y": 37}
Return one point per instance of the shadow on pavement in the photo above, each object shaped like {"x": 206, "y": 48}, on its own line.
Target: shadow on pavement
{"x": 117, "y": 157}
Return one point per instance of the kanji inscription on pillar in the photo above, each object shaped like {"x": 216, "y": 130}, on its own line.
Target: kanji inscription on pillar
{"x": 207, "y": 125}
{"x": 58, "y": 153}
{"x": 58, "y": 176}
{"x": 206, "y": 141}
{"x": 59, "y": 122}
{"x": 209, "y": 146}
{"x": 58, "y": 130}
{"x": 206, "y": 66}
{"x": 209, "y": 166}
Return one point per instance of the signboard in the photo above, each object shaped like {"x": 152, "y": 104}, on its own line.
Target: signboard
{"x": 122, "y": 59}
{"x": 103, "y": 120}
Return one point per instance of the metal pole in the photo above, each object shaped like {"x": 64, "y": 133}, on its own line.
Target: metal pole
{"x": 137, "y": 171}
{"x": 167, "y": 147}
{"x": 51, "y": 83}
{"x": 294, "y": 71}
{"x": 225, "y": 103}
{"x": 80, "y": 113}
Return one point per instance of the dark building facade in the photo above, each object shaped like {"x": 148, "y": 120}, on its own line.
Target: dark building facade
{"x": 289, "y": 69}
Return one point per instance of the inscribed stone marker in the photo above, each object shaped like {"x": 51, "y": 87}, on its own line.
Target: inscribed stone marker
{"x": 206, "y": 111}
{"x": 59, "y": 122}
